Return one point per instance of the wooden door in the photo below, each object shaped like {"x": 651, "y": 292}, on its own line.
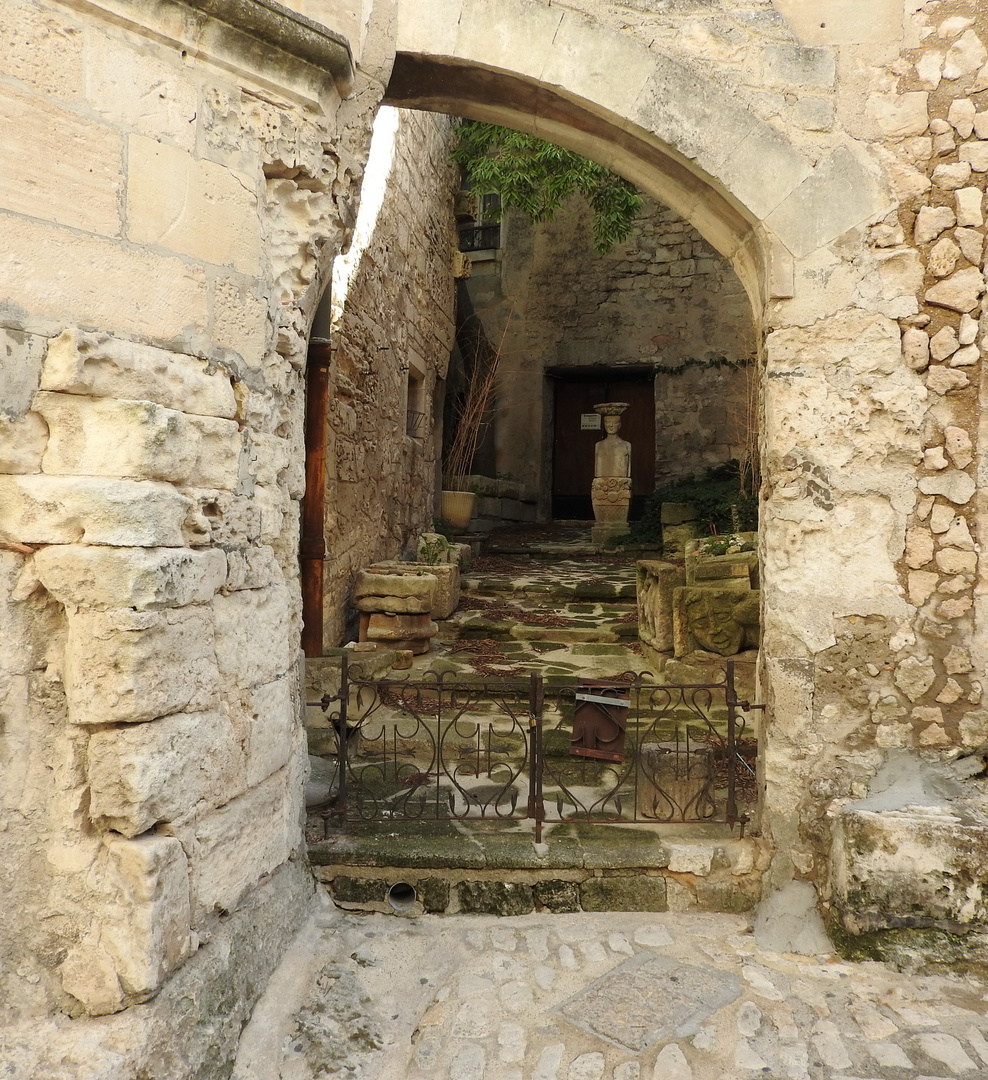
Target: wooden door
{"x": 573, "y": 440}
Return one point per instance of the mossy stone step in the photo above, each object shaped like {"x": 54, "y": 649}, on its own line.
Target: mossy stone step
{"x": 498, "y": 845}
{"x": 495, "y": 868}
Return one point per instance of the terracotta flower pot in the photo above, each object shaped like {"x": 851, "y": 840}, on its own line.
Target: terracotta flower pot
{"x": 457, "y": 508}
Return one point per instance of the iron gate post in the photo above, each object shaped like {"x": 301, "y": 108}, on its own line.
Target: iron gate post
{"x": 731, "y": 700}
{"x": 536, "y": 699}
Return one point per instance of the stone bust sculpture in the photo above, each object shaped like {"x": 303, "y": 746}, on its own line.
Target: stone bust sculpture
{"x": 612, "y": 455}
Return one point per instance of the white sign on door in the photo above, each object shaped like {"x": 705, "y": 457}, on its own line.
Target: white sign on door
{"x": 590, "y": 421}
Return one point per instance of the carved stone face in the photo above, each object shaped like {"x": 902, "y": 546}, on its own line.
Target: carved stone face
{"x": 713, "y": 622}
{"x": 612, "y": 424}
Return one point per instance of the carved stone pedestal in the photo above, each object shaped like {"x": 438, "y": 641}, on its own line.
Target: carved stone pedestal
{"x": 611, "y": 497}
{"x": 412, "y": 632}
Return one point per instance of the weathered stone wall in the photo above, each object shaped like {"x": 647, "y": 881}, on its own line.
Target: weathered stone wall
{"x": 396, "y": 320}
{"x": 164, "y": 245}
{"x": 178, "y": 186}
{"x": 663, "y": 298}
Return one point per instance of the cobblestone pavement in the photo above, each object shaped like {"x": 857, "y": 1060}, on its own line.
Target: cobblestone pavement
{"x": 598, "y": 996}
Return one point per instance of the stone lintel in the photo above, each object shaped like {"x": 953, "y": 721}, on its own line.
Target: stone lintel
{"x": 259, "y": 37}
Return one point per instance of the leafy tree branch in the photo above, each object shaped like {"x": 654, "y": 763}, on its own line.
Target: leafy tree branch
{"x": 537, "y": 177}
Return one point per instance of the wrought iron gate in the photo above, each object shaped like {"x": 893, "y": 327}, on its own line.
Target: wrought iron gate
{"x": 444, "y": 748}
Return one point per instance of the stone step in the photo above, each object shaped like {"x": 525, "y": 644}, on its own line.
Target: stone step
{"x": 549, "y": 552}
{"x": 496, "y": 868}
{"x": 611, "y": 633}
{"x": 534, "y": 589}
{"x": 322, "y": 673}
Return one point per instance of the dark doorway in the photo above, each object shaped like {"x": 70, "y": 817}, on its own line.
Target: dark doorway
{"x": 575, "y": 431}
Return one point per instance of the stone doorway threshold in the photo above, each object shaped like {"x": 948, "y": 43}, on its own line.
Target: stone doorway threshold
{"x": 445, "y": 867}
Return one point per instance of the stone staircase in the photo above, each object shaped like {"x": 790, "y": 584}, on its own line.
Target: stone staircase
{"x": 563, "y": 617}
{"x": 565, "y": 611}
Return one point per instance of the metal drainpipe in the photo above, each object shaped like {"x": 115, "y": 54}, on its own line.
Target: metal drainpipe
{"x": 312, "y": 547}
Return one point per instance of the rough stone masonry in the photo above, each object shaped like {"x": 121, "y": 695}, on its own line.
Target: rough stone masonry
{"x": 180, "y": 177}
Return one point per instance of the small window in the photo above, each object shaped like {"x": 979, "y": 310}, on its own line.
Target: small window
{"x": 415, "y": 400}
{"x": 484, "y": 232}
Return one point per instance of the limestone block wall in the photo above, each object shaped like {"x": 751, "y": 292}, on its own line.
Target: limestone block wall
{"x": 392, "y": 336}
{"x": 663, "y": 298}
{"x": 178, "y": 190}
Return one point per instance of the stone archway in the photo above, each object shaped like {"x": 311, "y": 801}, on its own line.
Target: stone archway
{"x": 837, "y": 222}
{"x": 749, "y": 189}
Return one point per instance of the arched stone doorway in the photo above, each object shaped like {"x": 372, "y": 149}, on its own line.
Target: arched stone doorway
{"x": 747, "y": 188}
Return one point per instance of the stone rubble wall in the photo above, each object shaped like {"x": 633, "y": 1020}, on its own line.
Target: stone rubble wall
{"x": 875, "y": 636}
{"x": 176, "y": 197}
{"x": 662, "y": 298}
{"x": 380, "y": 483}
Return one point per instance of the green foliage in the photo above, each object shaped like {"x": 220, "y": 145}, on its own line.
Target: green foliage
{"x": 537, "y": 177}
{"x": 434, "y": 551}
{"x": 724, "y": 544}
{"x": 721, "y": 504}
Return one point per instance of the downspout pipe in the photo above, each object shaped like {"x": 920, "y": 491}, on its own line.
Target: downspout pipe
{"x": 312, "y": 547}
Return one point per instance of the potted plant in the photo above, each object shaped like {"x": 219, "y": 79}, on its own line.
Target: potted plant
{"x": 470, "y": 419}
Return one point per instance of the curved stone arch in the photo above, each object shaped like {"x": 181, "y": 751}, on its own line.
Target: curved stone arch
{"x": 684, "y": 139}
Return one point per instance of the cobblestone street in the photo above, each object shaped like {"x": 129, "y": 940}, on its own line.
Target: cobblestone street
{"x": 598, "y": 996}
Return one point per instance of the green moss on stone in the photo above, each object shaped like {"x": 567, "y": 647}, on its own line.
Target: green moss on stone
{"x": 433, "y": 892}
{"x": 495, "y": 898}
{"x": 593, "y": 590}
{"x": 632, "y": 893}
{"x": 351, "y": 890}
{"x": 557, "y": 896}
{"x": 734, "y": 896}
{"x": 914, "y": 949}
{"x": 595, "y": 648}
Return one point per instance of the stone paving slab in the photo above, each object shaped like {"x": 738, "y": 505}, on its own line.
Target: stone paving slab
{"x": 501, "y": 845}
{"x": 565, "y": 579}
{"x": 582, "y": 659}
{"x": 593, "y": 622}
{"x": 610, "y": 996}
